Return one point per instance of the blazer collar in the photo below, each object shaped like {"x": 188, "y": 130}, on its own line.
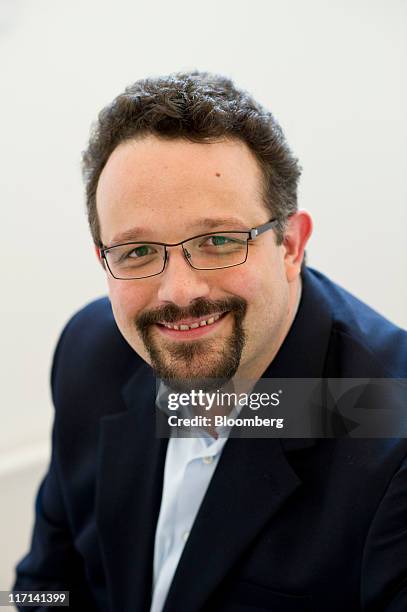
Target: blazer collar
{"x": 303, "y": 352}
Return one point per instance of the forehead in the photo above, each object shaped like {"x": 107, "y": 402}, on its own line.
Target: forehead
{"x": 167, "y": 185}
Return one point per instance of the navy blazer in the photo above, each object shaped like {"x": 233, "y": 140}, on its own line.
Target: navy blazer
{"x": 286, "y": 525}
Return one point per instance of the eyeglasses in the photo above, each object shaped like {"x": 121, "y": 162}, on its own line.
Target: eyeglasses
{"x": 213, "y": 251}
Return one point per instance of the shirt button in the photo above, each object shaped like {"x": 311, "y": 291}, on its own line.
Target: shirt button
{"x": 185, "y": 536}
{"x": 207, "y": 460}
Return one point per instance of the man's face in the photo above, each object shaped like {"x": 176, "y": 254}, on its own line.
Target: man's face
{"x": 170, "y": 190}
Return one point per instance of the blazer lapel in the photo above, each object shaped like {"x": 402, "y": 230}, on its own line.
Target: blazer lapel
{"x": 131, "y": 464}
{"x": 252, "y": 481}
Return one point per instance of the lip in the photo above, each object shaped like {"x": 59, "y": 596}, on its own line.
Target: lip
{"x": 192, "y": 334}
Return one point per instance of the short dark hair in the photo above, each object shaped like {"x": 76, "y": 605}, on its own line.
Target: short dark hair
{"x": 200, "y": 107}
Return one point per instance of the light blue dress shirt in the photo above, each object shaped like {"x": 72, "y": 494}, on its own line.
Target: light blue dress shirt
{"x": 189, "y": 466}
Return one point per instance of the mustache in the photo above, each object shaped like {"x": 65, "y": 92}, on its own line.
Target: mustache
{"x": 170, "y": 313}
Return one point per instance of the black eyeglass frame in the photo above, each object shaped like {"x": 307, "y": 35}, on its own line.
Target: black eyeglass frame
{"x": 252, "y": 234}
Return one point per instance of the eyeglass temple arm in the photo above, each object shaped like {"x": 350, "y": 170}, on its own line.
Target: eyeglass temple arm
{"x": 261, "y": 229}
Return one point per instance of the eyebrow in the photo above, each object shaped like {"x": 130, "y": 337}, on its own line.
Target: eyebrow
{"x": 134, "y": 233}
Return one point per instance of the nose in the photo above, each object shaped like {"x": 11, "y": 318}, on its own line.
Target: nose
{"x": 180, "y": 283}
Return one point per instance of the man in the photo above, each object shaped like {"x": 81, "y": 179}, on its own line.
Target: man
{"x": 191, "y": 194}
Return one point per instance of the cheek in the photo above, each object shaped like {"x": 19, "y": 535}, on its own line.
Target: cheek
{"x": 256, "y": 284}
{"x": 249, "y": 287}
{"x": 265, "y": 289}
{"x": 127, "y": 302}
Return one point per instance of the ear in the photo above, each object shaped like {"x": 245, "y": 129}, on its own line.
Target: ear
{"x": 99, "y": 257}
{"x": 298, "y": 231}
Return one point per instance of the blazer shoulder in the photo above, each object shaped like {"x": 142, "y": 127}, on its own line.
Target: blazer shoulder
{"x": 91, "y": 355}
{"x": 370, "y": 344}
{"x": 91, "y": 331}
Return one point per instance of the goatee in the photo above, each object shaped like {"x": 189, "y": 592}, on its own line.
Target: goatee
{"x": 197, "y": 364}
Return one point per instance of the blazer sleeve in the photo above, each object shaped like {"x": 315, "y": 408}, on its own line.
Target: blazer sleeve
{"x": 384, "y": 569}
{"x": 53, "y": 563}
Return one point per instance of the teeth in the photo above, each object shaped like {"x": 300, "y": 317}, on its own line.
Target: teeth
{"x": 193, "y": 325}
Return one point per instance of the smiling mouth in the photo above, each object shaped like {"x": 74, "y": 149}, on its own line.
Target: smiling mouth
{"x": 187, "y": 325}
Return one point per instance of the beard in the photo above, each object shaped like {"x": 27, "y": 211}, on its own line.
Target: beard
{"x": 199, "y": 364}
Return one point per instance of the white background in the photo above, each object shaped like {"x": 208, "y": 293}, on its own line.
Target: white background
{"x": 333, "y": 73}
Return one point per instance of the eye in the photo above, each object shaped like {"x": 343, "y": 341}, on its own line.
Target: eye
{"x": 217, "y": 241}
{"x": 141, "y": 251}
{"x": 220, "y": 240}
{"x": 223, "y": 243}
